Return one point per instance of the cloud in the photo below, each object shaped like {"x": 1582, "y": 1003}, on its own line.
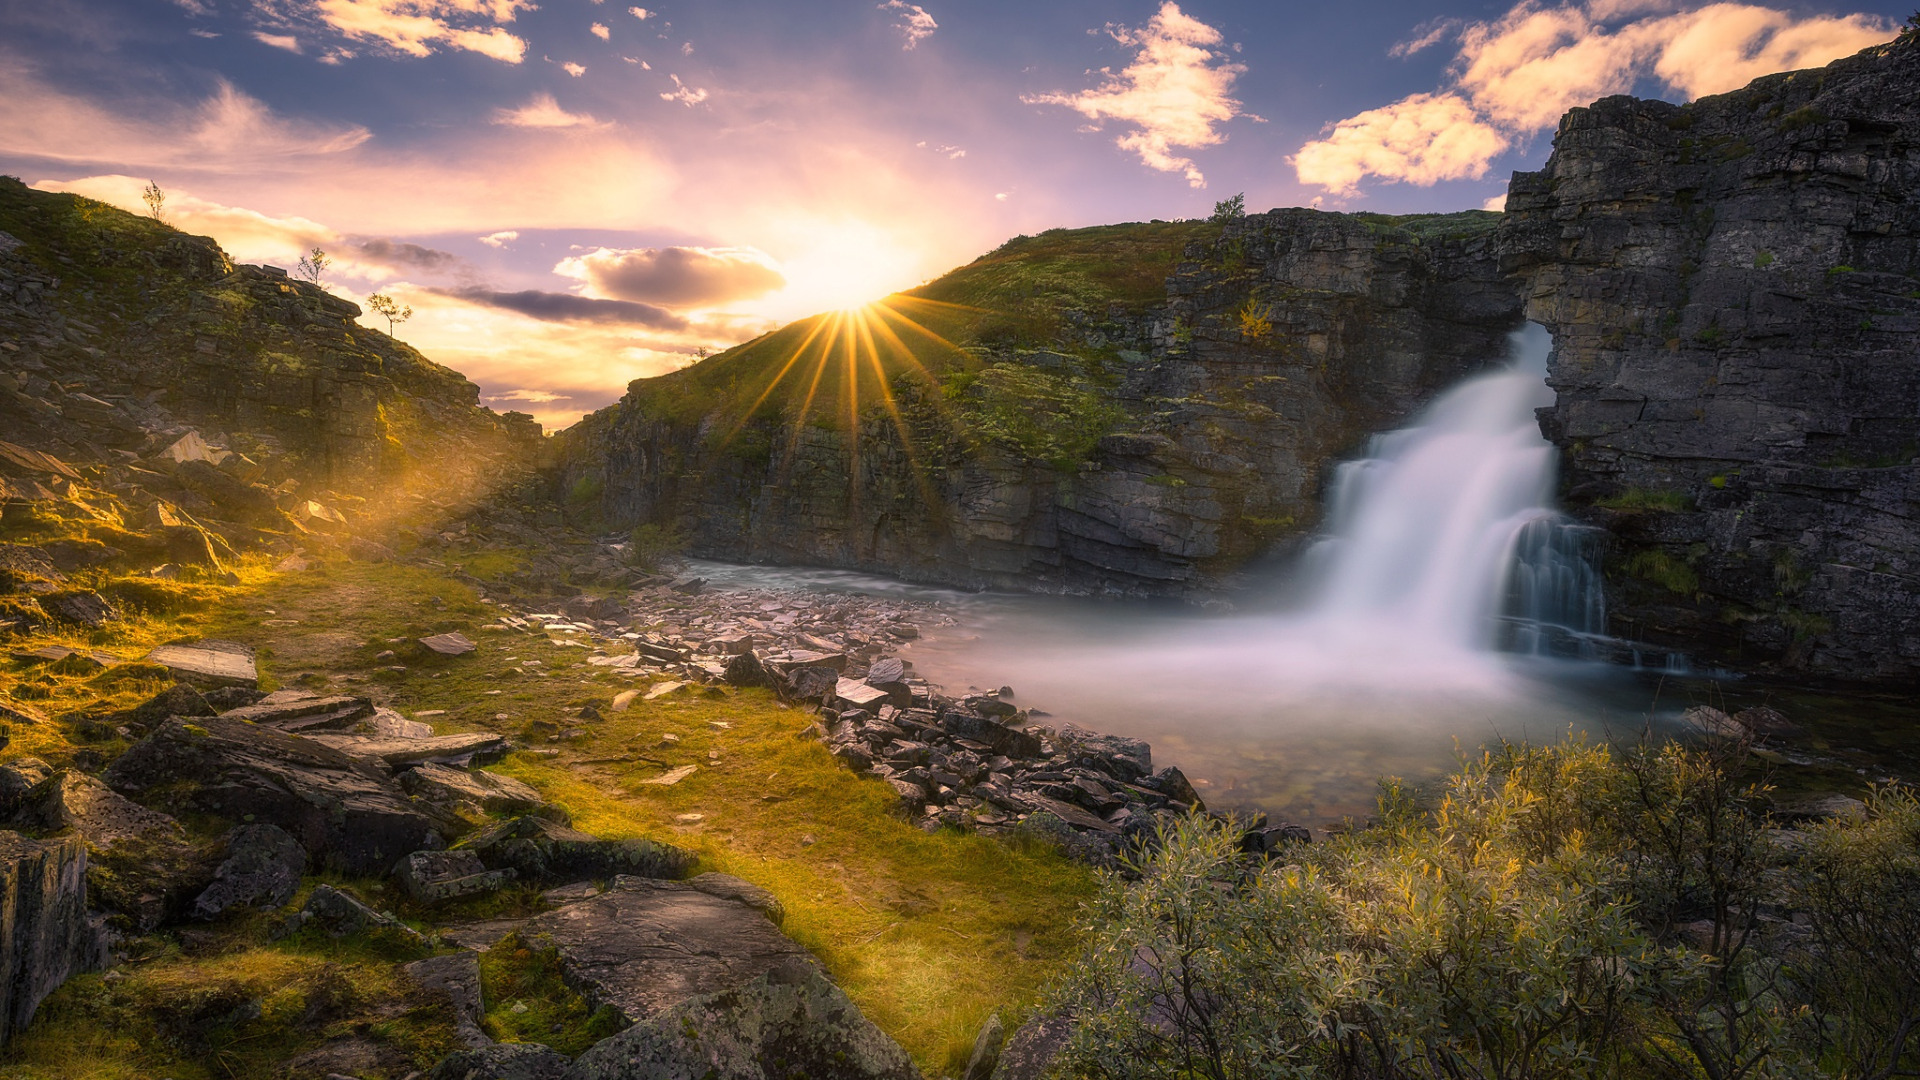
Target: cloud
{"x": 1172, "y": 95}
{"x": 228, "y": 131}
{"x": 1496, "y": 203}
{"x": 640, "y": 13}
{"x": 544, "y": 112}
{"x": 1422, "y": 139}
{"x": 1516, "y": 75}
{"x": 567, "y": 307}
{"x": 675, "y": 276}
{"x": 400, "y": 255}
{"x": 912, "y": 20}
{"x": 410, "y": 27}
{"x": 684, "y": 94}
{"x": 601, "y": 31}
{"x": 1425, "y": 36}
{"x": 278, "y": 41}
{"x": 537, "y": 397}
{"x": 500, "y": 239}
{"x": 573, "y": 69}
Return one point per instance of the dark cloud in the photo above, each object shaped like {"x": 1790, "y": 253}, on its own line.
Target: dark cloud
{"x": 566, "y": 307}
{"x": 676, "y": 276}
{"x": 398, "y": 254}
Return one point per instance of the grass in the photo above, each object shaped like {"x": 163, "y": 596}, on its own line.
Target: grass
{"x": 1637, "y": 498}
{"x": 928, "y": 933}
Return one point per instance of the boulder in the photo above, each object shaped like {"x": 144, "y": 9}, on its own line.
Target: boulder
{"x": 1122, "y": 758}
{"x": 209, "y": 663}
{"x": 430, "y": 877}
{"x": 986, "y": 1050}
{"x": 46, "y": 936}
{"x": 17, "y": 777}
{"x": 176, "y": 700}
{"x": 262, "y": 869}
{"x": 81, "y": 607}
{"x": 340, "y": 808}
{"x": 72, "y": 800}
{"x": 489, "y": 791}
{"x": 249, "y": 501}
{"x": 455, "y": 979}
{"x": 341, "y": 914}
{"x": 745, "y": 669}
{"x": 1032, "y": 1049}
{"x": 644, "y": 946}
{"x": 1010, "y": 741}
{"x": 543, "y": 850}
{"x": 789, "y": 1021}
{"x": 504, "y": 1061}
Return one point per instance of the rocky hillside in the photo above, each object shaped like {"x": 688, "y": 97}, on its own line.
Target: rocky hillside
{"x": 119, "y": 334}
{"x": 1734, "y": 290}
{"x": 1131, "y": 410}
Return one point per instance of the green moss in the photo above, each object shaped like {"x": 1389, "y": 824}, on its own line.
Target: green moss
{"x": 529, "y": 1000}
{"x": 1638, "y": 498}
{"x": 1659, "y": 568}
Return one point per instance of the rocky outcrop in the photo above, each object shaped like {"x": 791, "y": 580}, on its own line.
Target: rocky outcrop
{"x": 1130, "y": 449}
{"x": 1733, "y": 287}
{"x": 45, "y": 932}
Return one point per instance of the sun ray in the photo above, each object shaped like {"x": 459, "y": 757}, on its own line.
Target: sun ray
{"x": 819, "y": 324}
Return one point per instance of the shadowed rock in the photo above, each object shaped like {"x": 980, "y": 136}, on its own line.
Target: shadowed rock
{"x": 543, "y": 850}
{"x": 456, "y": 980}
{"x": 262, "y": 869}
{"x": 338, "y": 807}
{"x": 504, "y": 1061}
{"x": 46, "y": 936}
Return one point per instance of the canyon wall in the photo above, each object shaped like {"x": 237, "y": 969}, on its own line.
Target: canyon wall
{"x": 1207, "y": 417}
{"x": 1733, "y": 287}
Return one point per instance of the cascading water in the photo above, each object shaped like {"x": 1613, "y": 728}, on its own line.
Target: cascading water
{"x": 1443, "y": 539}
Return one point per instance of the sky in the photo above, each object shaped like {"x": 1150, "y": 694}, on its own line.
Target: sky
{"x": 571, "y": 194}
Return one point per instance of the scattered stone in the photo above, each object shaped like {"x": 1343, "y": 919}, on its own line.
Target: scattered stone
{"x": 1032, "y": 1050}
{"x": 1711, "y": 721}
{"x": 644, "y": 946}
{"x": 673, "y": 776}
{"x": 209, "y": 663}
{"x": 47, "y": 935}
{"x": 623, "y": 699}
{"x": 455, "y": 979}
{"x": 13, "y": 712}
{"x": 301, "y": 711}
{"x": 660, "y": 690}
{"x": 986, "y": 1049}
{"x": 340, "y": 914}
{"x": 262, "y": 869}
{"x": 789, "y": 1019}
{"x": 448, "y": 644}
{"x": 430, "y": 877}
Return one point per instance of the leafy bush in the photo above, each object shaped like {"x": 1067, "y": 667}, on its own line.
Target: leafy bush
{"x": 1567, "y": 911}
{"x": 651, "y": 544}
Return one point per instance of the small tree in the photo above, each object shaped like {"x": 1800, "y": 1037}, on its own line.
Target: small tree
{"x": 1229, "y": 209}
{"x": 313, "y": 265}
{"x": 382, "y": 304}
{"x": 156, "y": 200}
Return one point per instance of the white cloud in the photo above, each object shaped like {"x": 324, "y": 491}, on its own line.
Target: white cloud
{"x": 544, "y": 112}
{"x": 684, "y": 94}
{"x": 1001, "y": 196}
{"x": 641, "y": 13}
{"x": 412, "y": 27}
{"x": 208, "y": 34}
{"x": 1171, "y": 96}
{"x": 1495, "y": 202}
{"x": 601, "y": 31}
{"x": 537, "y": 397}
{"x": 573, "y": 69}
{"x": 913, "y": 21}
{"x": 1425, "y": 36}
{"x": 500, "y": 239}
{"x": 278, "y": 41}
{"x": 674, "y": 276}
{"x": 1422, "y": 139}
{"x": 1518, "y": 74}
{"x": 686, "y": 48}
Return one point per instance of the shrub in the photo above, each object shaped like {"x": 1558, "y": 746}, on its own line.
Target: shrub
{"x": 651, "y": 544}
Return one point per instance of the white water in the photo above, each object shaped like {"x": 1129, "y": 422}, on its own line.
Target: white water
{"x": 1441, "y": 546}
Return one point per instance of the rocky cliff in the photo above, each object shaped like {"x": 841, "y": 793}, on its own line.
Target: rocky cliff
{"x": 1733, "y": 287}
{"x": 1130, "y": 410}
{"x": 118, "y": 333}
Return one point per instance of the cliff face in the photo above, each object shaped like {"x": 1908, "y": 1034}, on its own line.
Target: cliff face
{"x": 117, "y": 332}
{"x": 1170, "y": 420}
{"x": 1733, "y": 287}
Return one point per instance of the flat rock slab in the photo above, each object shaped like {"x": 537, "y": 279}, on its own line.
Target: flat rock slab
{"x": 859, "y": 695}
{"x": 209, "y": 663}
{"x": 490, "y": 791}
{"x": 397, "y": 752}
{"x": 340, "y": 808}
{"x": 303, "y": 710}
{"x": 1066, "y": 812}
{"x": 448, "y": 644}
{"x": 482, "y": 935}
{"x": 789, "y": 1021}
{"x": 645, "y": 946}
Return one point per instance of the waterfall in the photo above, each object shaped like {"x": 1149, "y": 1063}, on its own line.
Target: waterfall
{"x": 1443, "y": 537}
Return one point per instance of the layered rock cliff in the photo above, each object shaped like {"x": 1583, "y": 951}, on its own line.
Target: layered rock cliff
{"x": 1133, "y": 410}
{"x": 1733, "y": 287}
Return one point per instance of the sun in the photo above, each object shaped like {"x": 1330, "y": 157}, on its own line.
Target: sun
{"x": 845, "y": 267}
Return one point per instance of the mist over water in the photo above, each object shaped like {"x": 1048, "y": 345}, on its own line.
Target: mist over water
{"x": 1408, "y": 632}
